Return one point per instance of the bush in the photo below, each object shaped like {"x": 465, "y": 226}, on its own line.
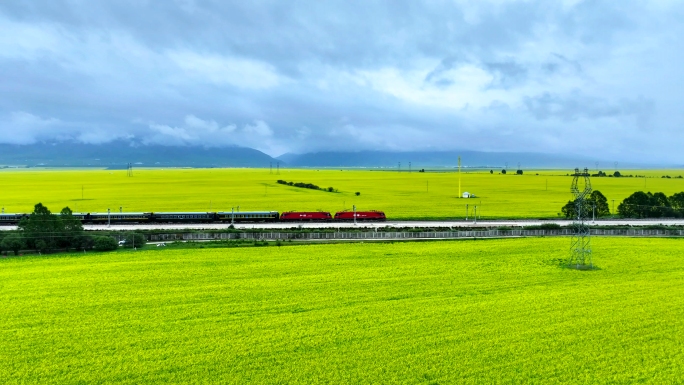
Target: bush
{"x": 105, "y": 243}
{"x": 41, "y": 246}
{"x": 84, "y": 242}
{"x": 134, "y": 240}
{"x": 13, "y": 242}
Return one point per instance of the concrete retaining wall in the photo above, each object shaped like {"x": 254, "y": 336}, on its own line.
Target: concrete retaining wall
{"x": 390, "y": 235}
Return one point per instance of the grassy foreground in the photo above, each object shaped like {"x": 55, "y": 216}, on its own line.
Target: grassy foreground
{"x": 495, "y": 311}
{"x": 401, "y": 195}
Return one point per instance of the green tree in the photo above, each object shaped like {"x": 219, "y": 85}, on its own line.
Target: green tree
{"x": 570, "y": 209}
{"x": 45, "y": 231}
{"x": 41, "y": 246}
{"x": 677, "y": 201}
{"x": 134, "y": 240}
{"x": 41, "y": 229}
{"x": 660, "y": 206}
{"x": 83, "y": 242}
{"x": 599, "y": 203}
{"x": 636, "y": 205}
{"x": 105, "y": 243}
{"x": 14, "y": 242}
{"x": 70, "y": 229}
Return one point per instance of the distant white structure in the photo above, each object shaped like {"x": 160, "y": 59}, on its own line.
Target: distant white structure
{"x": 466, "y": 195}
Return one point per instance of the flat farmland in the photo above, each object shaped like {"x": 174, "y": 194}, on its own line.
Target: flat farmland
{"x": 494, "y": 311}
{"x": 404, "y": 195}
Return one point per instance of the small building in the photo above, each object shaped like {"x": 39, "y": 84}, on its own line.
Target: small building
{"x": 466, "y": 195}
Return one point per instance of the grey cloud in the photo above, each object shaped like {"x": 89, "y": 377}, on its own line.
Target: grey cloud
{"x": 559, "y": 63}
{"x": 324, "y": 75}
{"x": 577, "y": 105}
{"x": 337, "y": 32}
{"x": 506, "y": 74}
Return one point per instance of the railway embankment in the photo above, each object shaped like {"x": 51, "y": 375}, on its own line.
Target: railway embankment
{"x": 403, "y": 235}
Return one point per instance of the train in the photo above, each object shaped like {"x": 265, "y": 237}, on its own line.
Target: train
{"x": 214, "y": 217}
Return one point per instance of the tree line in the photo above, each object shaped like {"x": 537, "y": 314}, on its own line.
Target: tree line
{"x": 656, "y": 205}
{"x": 638, "y": 205}
{"x": 306, "y": 185}
{"x": 46, "y": 232}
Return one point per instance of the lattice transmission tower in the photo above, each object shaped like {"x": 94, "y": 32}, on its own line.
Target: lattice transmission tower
{"x": 580, "y": 248}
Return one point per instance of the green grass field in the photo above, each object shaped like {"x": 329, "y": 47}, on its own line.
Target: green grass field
{"x": 484, "y": 311}
{"x": 401, "y": 195}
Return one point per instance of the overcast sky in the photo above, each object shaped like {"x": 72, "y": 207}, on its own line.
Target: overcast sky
{"x": 598, "y": 78}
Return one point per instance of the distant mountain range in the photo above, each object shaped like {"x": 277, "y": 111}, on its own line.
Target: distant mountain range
{"x": 119, "y": 154}
{"x": 423, "y": 159}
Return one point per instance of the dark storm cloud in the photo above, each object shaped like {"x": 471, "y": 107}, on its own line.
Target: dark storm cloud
{"x": 303, "y": 76}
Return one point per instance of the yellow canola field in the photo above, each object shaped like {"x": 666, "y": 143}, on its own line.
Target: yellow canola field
{"x": 401, "y": 195}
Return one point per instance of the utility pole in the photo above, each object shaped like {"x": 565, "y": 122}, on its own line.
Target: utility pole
{"x": 409, "y": 167}
{"x": 232, "y": 216}
{"x": 475, "y": 217}
{"x": 278, "y": 168}
{"x": 459, "y": 179}
{"x": 109, "y": 218}
{"x": 466, "y": 211}
{"x": 120, "y": 209}
{"x": 398, "y": 166}
{"x": 354, "y": 207}
{"x": 547, "y": 185}
{"x": 613, "y": 206}
{"x": 271, "y": 169}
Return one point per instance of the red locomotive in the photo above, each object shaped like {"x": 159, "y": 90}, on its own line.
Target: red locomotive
{"x": 308, "y": 216}
{"x": 360, "y": 216}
